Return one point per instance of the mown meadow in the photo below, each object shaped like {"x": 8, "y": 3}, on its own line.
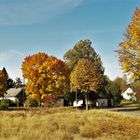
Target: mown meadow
{"x": 67, "y": 124}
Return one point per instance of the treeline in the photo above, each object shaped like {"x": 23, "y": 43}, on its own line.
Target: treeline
{"x": 6, "y": 82}
{"x": 81, "y": 72}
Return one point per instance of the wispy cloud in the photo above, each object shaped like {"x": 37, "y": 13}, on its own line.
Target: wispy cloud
{"x": 11, "y": 60}
{"x": 24, "y": 12}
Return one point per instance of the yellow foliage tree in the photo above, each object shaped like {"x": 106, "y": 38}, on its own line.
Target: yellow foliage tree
{"x": 46, "y": 75}
{"x": 129, "y": 51}
{"x": 86, "y": 77}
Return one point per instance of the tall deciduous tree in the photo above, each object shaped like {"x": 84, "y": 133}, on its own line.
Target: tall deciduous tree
{"x": 46, "y": 75}
{"x": 82, "y": 49}
{"x": 129, "y": 51}
{"x": 121, "y": 83}
{"x": 3, "y": 83}
{"x": 85, "y": 77}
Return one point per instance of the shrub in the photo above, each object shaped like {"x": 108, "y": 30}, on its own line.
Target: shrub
{"x": 4, "y": 104}
{"x": 16, "y": 102}
{"x": 50, "y": 100}
{"x": 31, "y": 103}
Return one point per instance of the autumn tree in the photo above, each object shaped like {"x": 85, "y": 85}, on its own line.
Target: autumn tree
{"x": 46, "y": 75}
{"x": 136, "y": 85}
{"x": 82, "y": 49}
{"x": 129, "y": 51}
{"x": 121, "y": 83}
{"x": 85, "y": 78}
{"x": 3, "y": 83}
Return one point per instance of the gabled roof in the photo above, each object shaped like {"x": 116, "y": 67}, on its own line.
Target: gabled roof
{"x": 128, "y": 90}
{"x": 13, "y": 92}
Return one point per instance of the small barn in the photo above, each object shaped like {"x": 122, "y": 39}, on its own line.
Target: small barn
{"x": 16, "y": 94}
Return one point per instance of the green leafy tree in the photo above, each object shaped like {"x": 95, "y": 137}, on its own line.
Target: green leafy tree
{"x": 82, "y": 49}
{"x": 113, "y": 90}
{"x": 129, "y": 51}
{"x": 18, "y": 82}
{"x": 10, "y": 83}
{"x": 85, "y": 78}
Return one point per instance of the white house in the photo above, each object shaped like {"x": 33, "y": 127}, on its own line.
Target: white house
{"x": 15, "y": 94}
{"x": 78, "y": 103}
{"x": 101, "y": 102}
{"x": 128, "y": 94}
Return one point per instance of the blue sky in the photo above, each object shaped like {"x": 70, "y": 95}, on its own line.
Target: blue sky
{"x": 54, "y": 26}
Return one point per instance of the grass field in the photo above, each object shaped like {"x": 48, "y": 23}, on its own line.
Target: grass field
{"x": 125, "y": 103}
{"x": 67, "y": 124}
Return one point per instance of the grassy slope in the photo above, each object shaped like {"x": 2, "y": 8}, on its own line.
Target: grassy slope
{"x": 67, "y": 124}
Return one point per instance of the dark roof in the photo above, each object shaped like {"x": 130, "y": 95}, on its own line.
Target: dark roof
{"x": 13, "y": 92}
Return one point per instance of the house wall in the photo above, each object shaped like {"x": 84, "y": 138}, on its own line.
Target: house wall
{"x": 12, "y": 98}
{"x": 127, "y": 95}
{"x": 102, "y": 103}
{"x": 78, "y": 103}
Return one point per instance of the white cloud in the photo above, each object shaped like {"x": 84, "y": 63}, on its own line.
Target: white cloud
{"x": 33, "y": 11}
{"x": 112, "y": 68}
{"x": 12, "y": 60}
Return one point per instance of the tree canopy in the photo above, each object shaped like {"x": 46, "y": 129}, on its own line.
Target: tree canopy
{"x": 121, "y": 83}
{"x": 129, "y": 51}
{"x": 85, "y": 78}
{"x": 46, "y": 75}
{"x": 113, "y": 90}
{"x": 82, "y": 49}
{"x": 18, "y": 82}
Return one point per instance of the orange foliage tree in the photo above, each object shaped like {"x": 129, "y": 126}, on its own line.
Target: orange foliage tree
{"x": 46, "y": 76}
{"x": 129, "y": 51}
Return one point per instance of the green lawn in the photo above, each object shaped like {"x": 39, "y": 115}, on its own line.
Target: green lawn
{"x": 125, "y": 103}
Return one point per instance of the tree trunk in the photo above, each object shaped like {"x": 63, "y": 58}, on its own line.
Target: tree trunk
{"x": 86, "y": 101}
